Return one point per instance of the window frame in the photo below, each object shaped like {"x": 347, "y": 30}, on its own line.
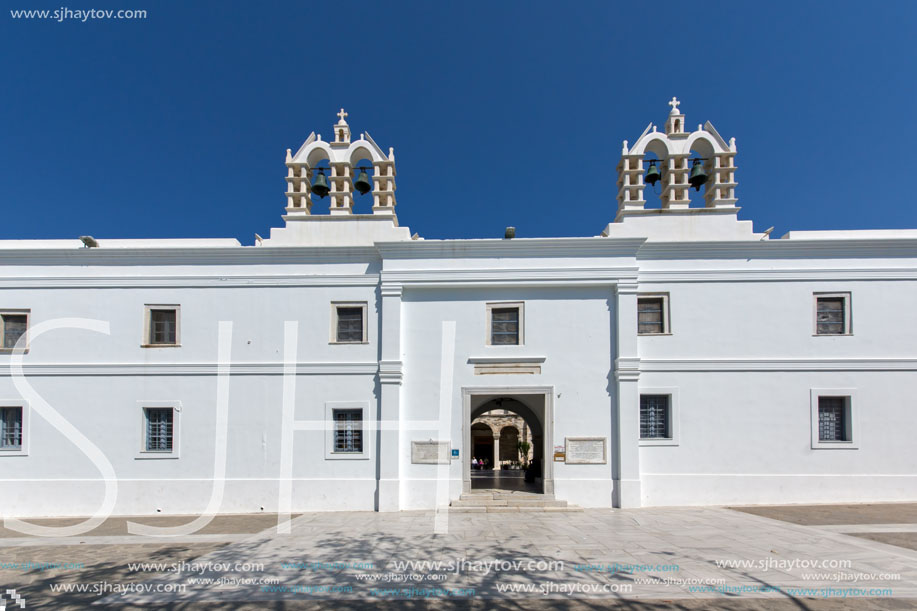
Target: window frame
{"x": 848, "y": 313}
{"x": 666, "y": 321}
{"x": 28, "y": 325}
{"x": 23, "y": 449}
{"x": 500, "y": 305}
{"x": 147, "y": 341}
{"x": 367, "y": 434}
{"x": 143, "y": 453}
{"x": 672, "y": 394}
{"x": 334, "y": 321}
{"x": 851, "y": 417}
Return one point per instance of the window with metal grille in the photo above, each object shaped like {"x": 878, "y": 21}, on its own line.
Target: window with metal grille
{"x": 348, "y": 430}
{"x": 831, "y": 315}
{"x": 650, "y": 315}
{"x": 10, "y": 428}
{"x": 350, "y": 324}
{"x": 159, "y": 429}
{"x": 832, "y": 419}
{"x": 655, "y": 417}
{"x": 163, "y": 326}
{"x": 13, "y": 326}
{"x": 504, "y": 326}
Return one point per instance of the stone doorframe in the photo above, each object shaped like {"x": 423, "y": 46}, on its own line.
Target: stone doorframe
{"x": 509, "y": 391}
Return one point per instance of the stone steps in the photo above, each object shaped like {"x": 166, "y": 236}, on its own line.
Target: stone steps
{"x": 502, "y": 509}
{"x": 499, "y": 501}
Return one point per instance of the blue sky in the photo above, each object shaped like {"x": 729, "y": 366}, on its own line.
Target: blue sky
{"x": 501, "y": 113}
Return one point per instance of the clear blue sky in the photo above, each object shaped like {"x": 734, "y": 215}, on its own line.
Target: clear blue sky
{"x": 501, "y": 113}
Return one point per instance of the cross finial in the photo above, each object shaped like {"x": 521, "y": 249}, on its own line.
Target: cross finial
{"x": 342, "y": 114}
{"x": 674, "y": 104}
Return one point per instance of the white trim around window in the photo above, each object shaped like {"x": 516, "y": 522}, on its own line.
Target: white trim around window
{"x": 666, "y": 324}
{"x": 520, "y": 308}
{"x": 23, "y": 449}
{"x": 851, "y": 413}
{"x": 672, "y": 394}
{"x": 142, "y": 452}
{"x": 334, "y": 337}
{"x": 367, "y": 432}
{"x": 147, "y": 339}
{"x": 28, "y": 321}
{"x": 847, "y": 314}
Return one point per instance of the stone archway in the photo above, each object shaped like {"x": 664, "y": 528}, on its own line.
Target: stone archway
{"x": 534, "y": 405}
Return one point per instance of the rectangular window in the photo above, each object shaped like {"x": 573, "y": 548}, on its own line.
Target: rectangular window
{"x": 832, "y": 314}
{"x": 159, "y": 429}
{"x": 653, "y": 314}
{"x": 350, "y": 324}
{"x": 163, "y": 324}
{"x": 10, "y": 428}
{"x": 655, "y": 417}
{"x": 505, "y": 326}
{"x": 13, "y": 325}
{"x": 505, "y": 323}
{"x": 348, "y": 430}
{"x": 833, "y": 419}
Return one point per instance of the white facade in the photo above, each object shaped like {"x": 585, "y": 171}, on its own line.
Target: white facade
{"x": 738, "y": 356}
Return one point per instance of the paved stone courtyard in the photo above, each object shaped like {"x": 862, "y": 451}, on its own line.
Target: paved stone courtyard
{"x": 750, "y": 558}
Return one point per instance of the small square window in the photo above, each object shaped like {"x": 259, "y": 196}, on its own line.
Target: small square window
{"x": 348, "y": 323}
{"x": 10, "y": 429}
{"x": 348, "y": 431}
{"x": 653, "y": 314}
{"x": 655, "y": 417}
{"x": 833, "y": 418}
{"x": 14, "y": 325}
{"x": 162, "y": 325}
{"x": 832, "y": 314}
{"x": 505, "y": 324}
{"x": 159, "y": 429}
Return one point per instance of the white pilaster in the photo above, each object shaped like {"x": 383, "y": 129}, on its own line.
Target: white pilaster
{"x": 627, "y": 406}
{"x": 390, "y": 377}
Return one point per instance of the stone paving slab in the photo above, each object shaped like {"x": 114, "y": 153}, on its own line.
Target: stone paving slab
{"x": 116, "y": 526}
{"x": 652, "y": 558}
{"x": 908, "y": 540}
{"x": 859, "y": 513}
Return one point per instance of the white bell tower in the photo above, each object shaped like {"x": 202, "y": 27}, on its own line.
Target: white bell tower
{"x": 343, "y": 156}
{"x": 676, "y": 150}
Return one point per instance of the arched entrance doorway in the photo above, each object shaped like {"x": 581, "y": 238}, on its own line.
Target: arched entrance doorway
{"x": 533, "y": 409}
{"x": 482, "y": 446}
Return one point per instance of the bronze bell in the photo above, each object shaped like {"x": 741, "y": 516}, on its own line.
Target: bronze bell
{"x": 652, "y": 174}
{"x": 320, "y": 185}
{"x": 698, "y": 176}
{"x": 362, "y": 183}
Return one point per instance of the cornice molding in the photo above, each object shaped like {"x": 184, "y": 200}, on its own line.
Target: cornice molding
{"x": 188, "y": 369}
{"x": 779, "y": 275}
{"x": 173, "y": 281}
{"x": 239, "y": 255}
{"x": 779, "y": 364}
{"x": 541, "y": 276}
{"x": 516, "y": 248}
{"x": 782, "y": 249}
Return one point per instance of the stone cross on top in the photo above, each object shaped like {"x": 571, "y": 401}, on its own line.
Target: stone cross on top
{"x": 342, "y": 114}
{"x": 674, "y": 104}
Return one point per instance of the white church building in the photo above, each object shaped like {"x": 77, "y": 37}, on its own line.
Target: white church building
{"x": 678, "y": 358}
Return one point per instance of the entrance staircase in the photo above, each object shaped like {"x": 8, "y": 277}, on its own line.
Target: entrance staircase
{"x": 508, "y": 501}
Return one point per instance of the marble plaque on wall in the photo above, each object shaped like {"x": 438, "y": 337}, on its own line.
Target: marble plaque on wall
{"x": 586, "y": 450}
{"x": 431, "y": 452}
